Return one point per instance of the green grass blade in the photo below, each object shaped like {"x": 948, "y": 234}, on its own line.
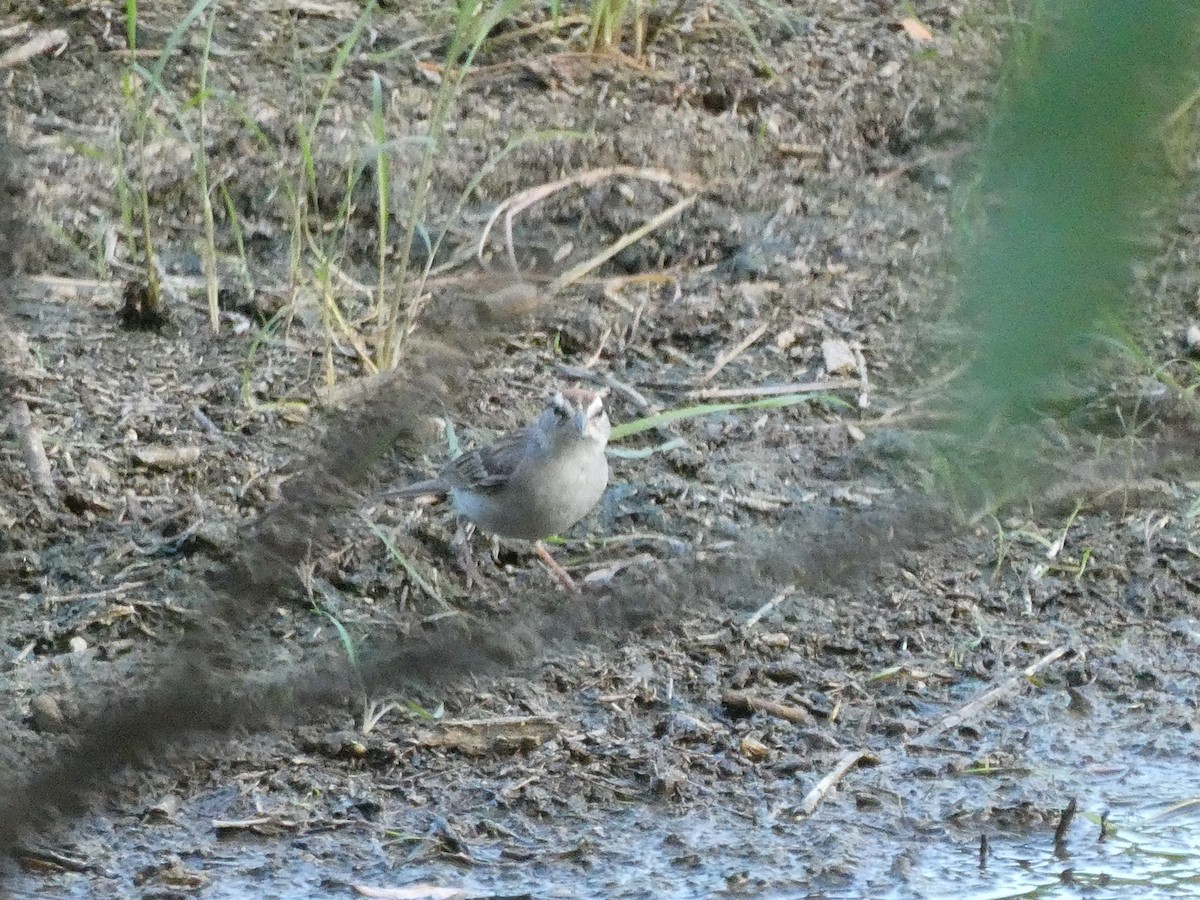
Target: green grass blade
{"x": 406, "y": 564}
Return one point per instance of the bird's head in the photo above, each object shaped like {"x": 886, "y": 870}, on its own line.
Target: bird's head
{"x": 574, "y": 414}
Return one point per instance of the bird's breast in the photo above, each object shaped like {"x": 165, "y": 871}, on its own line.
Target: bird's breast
{"x": 541, "y": 499}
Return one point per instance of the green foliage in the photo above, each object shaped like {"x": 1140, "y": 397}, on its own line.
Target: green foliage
{"x": 1071, "y": 174}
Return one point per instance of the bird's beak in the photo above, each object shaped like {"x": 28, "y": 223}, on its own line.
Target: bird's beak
{"x": 580, "y": 421}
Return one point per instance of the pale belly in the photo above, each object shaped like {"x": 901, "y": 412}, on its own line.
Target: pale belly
{"x": 532, "y": 509}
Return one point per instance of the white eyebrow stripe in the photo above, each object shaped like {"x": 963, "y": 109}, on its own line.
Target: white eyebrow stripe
{"x": 595, "y": 407}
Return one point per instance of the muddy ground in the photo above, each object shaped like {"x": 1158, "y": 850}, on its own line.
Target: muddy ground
{"x": 225, "y": 682}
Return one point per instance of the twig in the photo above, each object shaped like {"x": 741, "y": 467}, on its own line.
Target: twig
{"x": 55, "y": 40}
{"x": 517, "y": 203}
{"x": 730, "y": 355}
{"x": 864, "y": 392}
{"x": 47, "y": 857}
{"x": 989, "y": 697}
{"x": 206, "y": 423}
{"x": 773, "y": 390}
{"x": 32, "y": 449}
{"x": 740, "y": 701}
{"x": 631, "y": 337}
{"x": 768, "y": 606}
{"x": 96, "y": 595}
{"x": 248, "y": 824}
{"x": 818, "y": 794}
{"x": 632, "y": 237}
{"x": 595, "y": 357}
{"x": 1064, "y": 824}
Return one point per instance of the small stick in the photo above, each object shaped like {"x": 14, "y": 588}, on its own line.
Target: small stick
{"x": 817, "y": 795}
{"x": 595, "y": 357}
{"x": 30, "y": 439}
{"x": 989, "y": 697}
{"x": 983, "y": 851}
{"x": 1064, "y": 823}
{"x": 40, "y": 43}
{"x": 633, "y": 327}
{"x": 244, "y": 824}
{"x": 730, "y": 355}
{"x": 206, "y": 423}
{"x": 49, "y": 857}
{"x": 632, "y": 237}
{"x": 499, "y": 722}
{"x": 864, "y": 392}
{"x": 768, "y": 606}
{"x": 522, "y": 200}
{"x": 740, "y": 701}
{"x": 772, "y": 390}
{"x": 95, "y": 595}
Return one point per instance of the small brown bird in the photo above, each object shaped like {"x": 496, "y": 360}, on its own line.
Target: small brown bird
{"x": 536, "y": 481}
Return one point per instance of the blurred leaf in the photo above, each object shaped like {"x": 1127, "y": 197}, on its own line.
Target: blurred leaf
{"x": 1072, "y": 173}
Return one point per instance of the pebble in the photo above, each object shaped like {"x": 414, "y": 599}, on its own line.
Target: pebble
{"x": 839, "y": 358}
{"x": 46, "y": 714}
{"x": 1192, "y": 339}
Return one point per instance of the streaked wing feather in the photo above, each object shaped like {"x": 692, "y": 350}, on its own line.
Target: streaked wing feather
{"x": 489, "y": 467}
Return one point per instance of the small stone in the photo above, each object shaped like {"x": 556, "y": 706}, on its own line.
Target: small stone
{"x": 166, "y": 458}
{"x": 77, "y": 644}
{"x": 839, "y": 358}
{"x": 97, "y": 472}
{"x": 510, "y": 302}
{"x": 1192, "y": 339}
{"x": 166, "y": 808}
{"x": 754, "y": 750}
{"x": 46, "y": 714}
{"x": 775, "y": 640}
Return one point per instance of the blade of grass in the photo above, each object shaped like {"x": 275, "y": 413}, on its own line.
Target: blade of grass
{"x": 382, "y": 184}
{"x": 407, "y": 565}
{"x": 201, "y": 162}
{"x": 470, "y": 30}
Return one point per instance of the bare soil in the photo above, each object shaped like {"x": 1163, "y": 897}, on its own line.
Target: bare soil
{"x": 197, "y": 623}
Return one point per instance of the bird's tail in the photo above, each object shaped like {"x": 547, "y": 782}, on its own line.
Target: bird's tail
{"x": 432, "y": 487}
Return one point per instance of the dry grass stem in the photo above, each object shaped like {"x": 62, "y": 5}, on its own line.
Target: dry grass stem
{"x": 987, "y": 698}
{"x": 817, "y": 795}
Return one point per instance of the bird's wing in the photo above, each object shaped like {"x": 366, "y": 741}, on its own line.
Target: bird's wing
{"x": 490, "y": 467}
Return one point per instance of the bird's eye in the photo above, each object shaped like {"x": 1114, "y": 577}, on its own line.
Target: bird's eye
{"x": 561, "y": 412}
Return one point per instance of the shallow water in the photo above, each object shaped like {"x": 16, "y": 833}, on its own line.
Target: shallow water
{"x": 888, "y": 832}
{"x": 1152, "y": 848}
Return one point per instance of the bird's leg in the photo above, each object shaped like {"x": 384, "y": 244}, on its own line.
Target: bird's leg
{"x": 559, "y": 572}
{"x": 462, "y": 551}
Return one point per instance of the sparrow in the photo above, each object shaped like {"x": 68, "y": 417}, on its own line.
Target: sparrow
{"x": 534, "y": 482}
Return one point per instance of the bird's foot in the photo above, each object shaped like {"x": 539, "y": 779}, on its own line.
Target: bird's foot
{"x": 559, "y": 572}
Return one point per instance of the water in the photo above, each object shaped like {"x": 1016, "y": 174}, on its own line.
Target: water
{"x": 897, "y": 831}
